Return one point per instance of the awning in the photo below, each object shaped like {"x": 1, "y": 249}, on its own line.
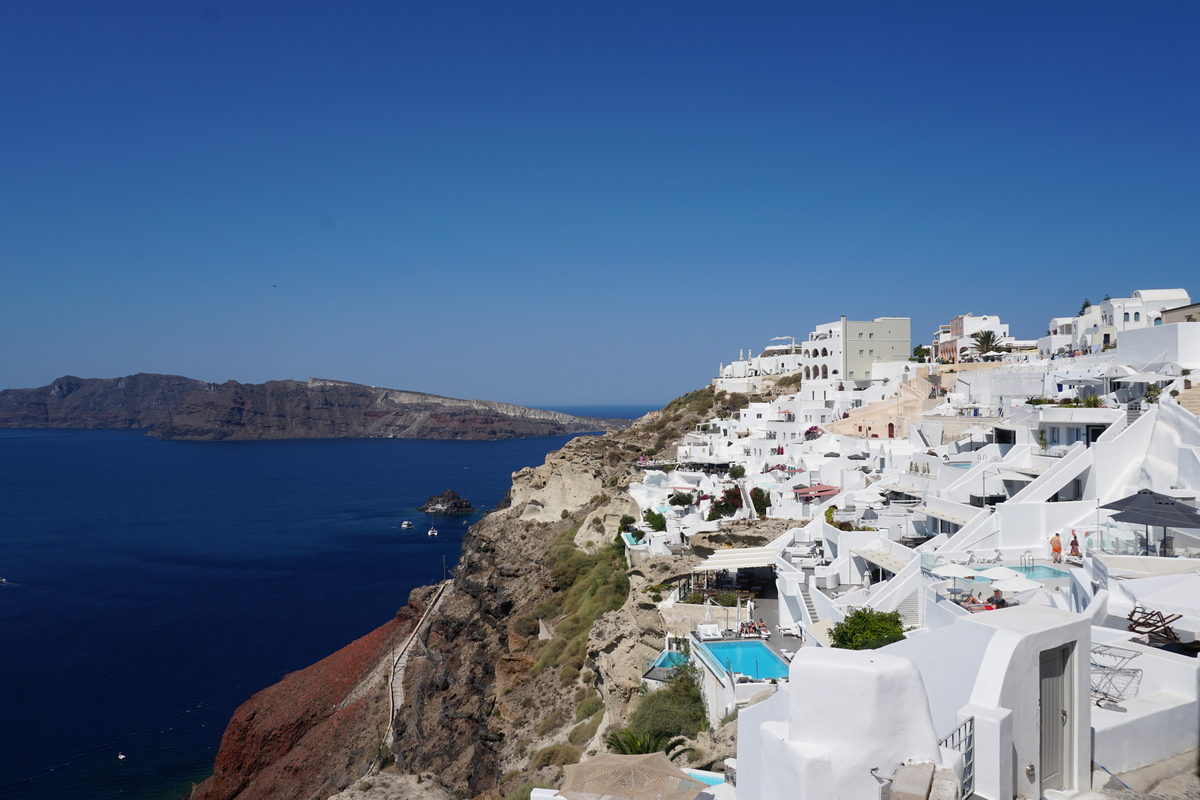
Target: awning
{"x": 1144, "y": 377}
{"x": 1009, "y": 475}
{"x": 930, "y": 512}
{"x": 902, "y": 488}
{"x": 738, "y": 558}
{"x": 883, "y": 558}
{"x": 1079, "y": 381}
{"x": 819, "y": 490}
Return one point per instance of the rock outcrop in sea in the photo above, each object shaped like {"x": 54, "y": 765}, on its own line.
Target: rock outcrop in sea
{"x": 448, "y": 502}
{"x": 510, "y": 675}
{"x": 174, "y": 407}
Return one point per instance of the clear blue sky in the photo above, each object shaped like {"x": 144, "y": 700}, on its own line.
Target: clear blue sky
{"x": 572, "y": 202}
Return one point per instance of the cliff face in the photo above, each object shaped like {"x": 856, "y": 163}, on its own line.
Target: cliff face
{"x": 136, "y": 401}
{"x": 506, "y": 681}
{"x": 181, "y": 408}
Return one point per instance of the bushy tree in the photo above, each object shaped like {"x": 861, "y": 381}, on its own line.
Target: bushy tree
{"x": 867, "y": 629}
{"x": 656, "y": 521}
{"x": 737, "y": 472}
{"x": 681, "y": 499}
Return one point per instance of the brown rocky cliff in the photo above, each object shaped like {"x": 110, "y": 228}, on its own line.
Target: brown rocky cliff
{"x": 315, "y": 731}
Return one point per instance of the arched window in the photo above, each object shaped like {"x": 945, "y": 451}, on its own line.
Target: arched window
{"x": 1127, "y": 316}
{"x": 1137, "y": 316}
{"x": 806, "y": 354}
{"x": 1158, "y": 320}
{"x": 824, "y": 352}
{"x": 824, "y": 371}
{"x": 807, "y": 375}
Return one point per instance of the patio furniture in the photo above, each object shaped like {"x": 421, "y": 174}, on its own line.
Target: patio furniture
{"x": 708, "y": 632}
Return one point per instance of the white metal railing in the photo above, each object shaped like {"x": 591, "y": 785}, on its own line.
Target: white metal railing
{"x": 962, "y": 740}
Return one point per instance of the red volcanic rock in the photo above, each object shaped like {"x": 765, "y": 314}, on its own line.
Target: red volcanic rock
{"x": 312, "y": 733}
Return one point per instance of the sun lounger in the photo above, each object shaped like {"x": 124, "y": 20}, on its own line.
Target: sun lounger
{"x": 708, "y": 632}
{"x": 791, "y": 630}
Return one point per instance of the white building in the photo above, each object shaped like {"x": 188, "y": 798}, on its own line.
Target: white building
{"x": 953, "y": 343}
{"x": 1101, "y": 324}
{"x": 848, "y": 350}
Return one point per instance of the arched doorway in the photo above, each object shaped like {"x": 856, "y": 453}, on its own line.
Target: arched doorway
{"x": 891, "y": 430}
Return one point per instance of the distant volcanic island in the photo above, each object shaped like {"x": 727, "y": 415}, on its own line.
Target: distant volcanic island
{"x": 448, "y": 502}
{"x": 173, "y": 407}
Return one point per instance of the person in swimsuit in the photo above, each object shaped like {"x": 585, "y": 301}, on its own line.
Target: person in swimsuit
{"x": 1056, "y": 549}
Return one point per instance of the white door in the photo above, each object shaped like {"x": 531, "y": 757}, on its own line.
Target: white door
{"x": 1055, "y": 716}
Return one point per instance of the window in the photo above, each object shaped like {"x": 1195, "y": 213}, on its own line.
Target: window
{"x": 867, "y": 373}
{"x": 860, "y": 334}
{"x": 872, "y": 352}
{"x": 851, "y": 373}
{"x": 1158, "y": 320}
{"x": 758, "y": 415}
{"x": 860, "y": 352}
{"x": 1054, "y": 435}
{"x": 1127, "y": 316}
{"x": 1137, "y": 316}
{"x": 870, "y": 336}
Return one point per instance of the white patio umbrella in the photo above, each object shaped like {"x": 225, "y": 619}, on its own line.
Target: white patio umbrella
{"x": 1036, "y": 597}
{"x": 954, "y": 571}
{"x": 1018, "y": 584}
{"x": 1000, "y": 573}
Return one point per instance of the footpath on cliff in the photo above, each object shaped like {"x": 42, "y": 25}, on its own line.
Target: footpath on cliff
{"x": 533, "y": 655}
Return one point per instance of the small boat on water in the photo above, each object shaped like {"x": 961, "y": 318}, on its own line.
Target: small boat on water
{"x": 433, "y": 531}
{"x": 406, "y": 524}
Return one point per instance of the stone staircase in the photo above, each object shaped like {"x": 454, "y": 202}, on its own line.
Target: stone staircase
{"x": 808, "y": 603}
{"x": 1190, "y": 399}
{"x": 1132, "y": 412}
{"x": 400, "y": 657}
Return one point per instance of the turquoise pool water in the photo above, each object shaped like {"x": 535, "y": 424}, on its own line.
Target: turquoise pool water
{"x": 670, "y": 659}
{"x": 630, "y": 540}
{"x": 749, "y": 658}
{"x": 959, "y": 464}
{"x": 709, "y": 778}
{"x": 1037, "y": 572}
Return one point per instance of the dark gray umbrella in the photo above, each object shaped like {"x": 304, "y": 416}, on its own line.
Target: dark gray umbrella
{"x": 856, "y": 457}
{"x": 833, "y": 455}
{"x": 1151, "y": 508}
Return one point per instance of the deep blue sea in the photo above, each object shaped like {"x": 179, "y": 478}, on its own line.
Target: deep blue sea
{"x": 153, "y": 586}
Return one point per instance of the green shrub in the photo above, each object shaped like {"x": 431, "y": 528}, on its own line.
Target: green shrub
{"x": 627, "y": 522}
{"x": 525, "y": 625}
{"x": 675, "y": 710}
{"x": 867, "y": 629}
{"x": 568, "y": 674}
{"x": 761, "y": 500}
{"x": 656, "y": 521}
{"x": 588, "y": 585}
{"x": 737, "y": 472}
{"x": 556, "y": 755}
{"x": 584, "y": 731}
{"x": 550, "y": 723}
{"x": 526, "y": 790}
{"x": 588, "y": 707}
{"x": 681, "y": 499}
{"x": 696, "y": 402}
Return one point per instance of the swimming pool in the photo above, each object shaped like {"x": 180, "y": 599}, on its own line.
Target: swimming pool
{"x": 749, "y": 658}
{"x": 670, "y": 659}
{"x": 712, "y": 779}
{"x": 1037, "y": 572}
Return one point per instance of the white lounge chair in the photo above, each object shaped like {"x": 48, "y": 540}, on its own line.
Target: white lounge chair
{"x": 708, "y": 632}
{"x": 791, "y": 630}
